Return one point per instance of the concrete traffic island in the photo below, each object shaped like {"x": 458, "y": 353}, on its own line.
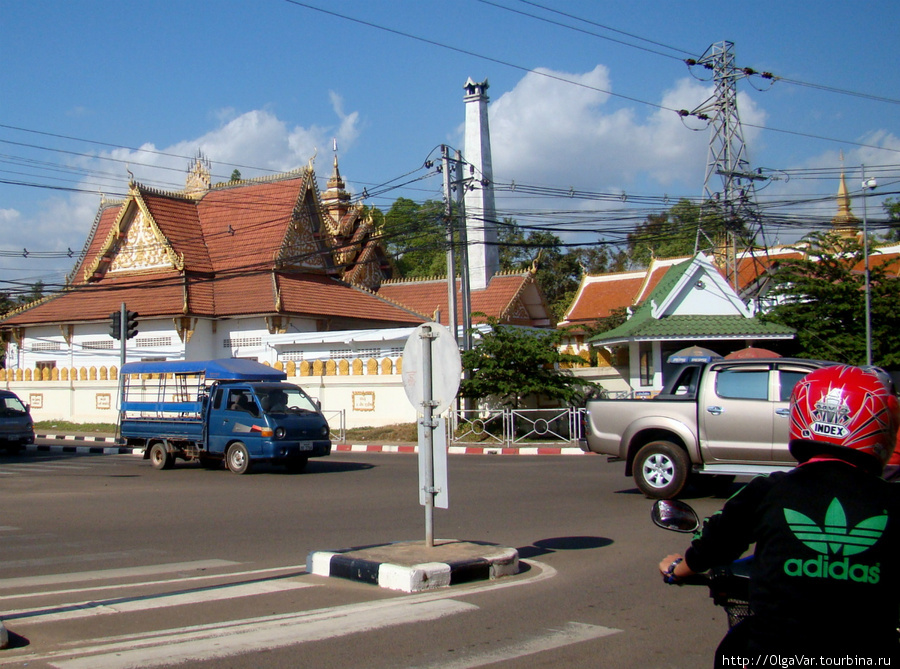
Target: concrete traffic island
{"x": 411, "y": 566}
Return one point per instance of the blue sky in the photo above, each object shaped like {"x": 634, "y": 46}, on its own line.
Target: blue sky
{"x": 263, "y": 86}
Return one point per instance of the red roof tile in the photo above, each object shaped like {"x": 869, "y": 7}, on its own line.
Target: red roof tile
{"x": 498, "y": 300}
{"x": 163, "y": 296}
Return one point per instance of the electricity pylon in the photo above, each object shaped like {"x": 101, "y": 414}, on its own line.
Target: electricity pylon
{"x": 735, "y": 203}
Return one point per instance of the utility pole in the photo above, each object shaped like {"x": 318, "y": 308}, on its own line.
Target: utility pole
{"x": 451, "y": 255}
{"x": 867, "y": 185}
{"x": 462, "y": 186}
{"x": 453, "y": 179}
{"x": 456, "y": 226}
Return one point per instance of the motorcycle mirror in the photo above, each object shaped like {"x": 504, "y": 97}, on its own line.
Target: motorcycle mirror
{"x": 672, "y": 514}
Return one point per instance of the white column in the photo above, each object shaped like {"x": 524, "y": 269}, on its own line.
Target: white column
{"x": 481, "y": 214}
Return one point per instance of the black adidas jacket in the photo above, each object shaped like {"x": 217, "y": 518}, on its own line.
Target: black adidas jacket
{"x": 826, "y": 569}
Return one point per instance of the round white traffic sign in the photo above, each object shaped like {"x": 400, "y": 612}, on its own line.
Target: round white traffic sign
{"x": 446, "y": 366}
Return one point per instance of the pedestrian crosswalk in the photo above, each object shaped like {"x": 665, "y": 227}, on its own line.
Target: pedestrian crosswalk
{"x": 131, "y": 597}
{"x": 47, "y": 609}
{"x": 50, "y": 465}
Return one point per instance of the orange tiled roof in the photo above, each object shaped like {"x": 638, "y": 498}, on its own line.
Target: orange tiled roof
{"x": 502, "y": 299}
{"x": 93, "y": 302}
{"x": 599, "y": 295}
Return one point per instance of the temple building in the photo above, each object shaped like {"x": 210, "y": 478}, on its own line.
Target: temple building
{"x": 231, "y": 269}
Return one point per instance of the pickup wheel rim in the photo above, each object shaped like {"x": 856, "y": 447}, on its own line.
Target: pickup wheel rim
{"x": 659, "y": 470}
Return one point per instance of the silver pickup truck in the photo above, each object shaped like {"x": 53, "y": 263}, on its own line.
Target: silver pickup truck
{"x": 722, "y": 419}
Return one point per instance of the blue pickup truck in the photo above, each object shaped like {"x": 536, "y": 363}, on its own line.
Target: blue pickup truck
{"x": 232, "y": 410}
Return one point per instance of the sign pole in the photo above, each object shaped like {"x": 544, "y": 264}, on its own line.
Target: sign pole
{"x": 428, "y": 433}
{"x": 431, "y": 369}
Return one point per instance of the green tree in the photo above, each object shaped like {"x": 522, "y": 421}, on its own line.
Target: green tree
{"x": 236, "y": 175}
{"x": 892, "y": 209}
{"x": 35, "y": 293}
{"x": 509, "y": 364}
{"x": 6, "y": 303}
{"x": 674, "y": 232}
{"x": 822, "y": 296}
{"x": 415, "y": 236}
{"x": 559, "y": 269}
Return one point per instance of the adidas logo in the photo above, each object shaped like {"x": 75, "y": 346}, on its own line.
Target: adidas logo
{"x": 833, "y": 538}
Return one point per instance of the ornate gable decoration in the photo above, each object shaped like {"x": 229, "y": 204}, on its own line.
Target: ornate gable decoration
{"x": 135, "y": 243}
{"x": 517, "y": 312}
{"x": 302, "y": 248}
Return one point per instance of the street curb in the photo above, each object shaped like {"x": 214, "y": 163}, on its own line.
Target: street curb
{"x": 463, "y": 450}
{"x": 72, "y": 444}
{"x": 496, "y": 562}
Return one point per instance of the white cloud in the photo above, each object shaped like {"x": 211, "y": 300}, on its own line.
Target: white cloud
{"x": 256, "y": 138}
{"x": 255, "y": 142}
{"x": 8, "y": 217}
{"x": 549, "y": 132}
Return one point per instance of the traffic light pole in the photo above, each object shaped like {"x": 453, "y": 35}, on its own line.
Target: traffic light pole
{"x": 123, "y": 316}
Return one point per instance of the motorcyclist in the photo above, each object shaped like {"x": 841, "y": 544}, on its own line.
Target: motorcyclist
{"x": 825, "y": 581}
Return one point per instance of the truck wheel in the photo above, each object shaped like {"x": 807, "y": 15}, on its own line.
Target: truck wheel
{"x": 238, "y": 459}
{"x": 160, "y": 458}
{"x": 661, "y": 469}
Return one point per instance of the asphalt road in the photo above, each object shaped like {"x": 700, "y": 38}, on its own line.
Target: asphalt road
{"x": 106, "y": 562}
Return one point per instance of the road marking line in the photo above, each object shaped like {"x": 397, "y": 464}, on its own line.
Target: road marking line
{"x": 69, "y": 559}
{"x": 24, "y": 468}
{"x": 107, "y": 574}
{"x": 570, "y": 634}
{"x": 288, "y": 571}
{"x": 151, "y": 602}
{"x": 256, "y": 637}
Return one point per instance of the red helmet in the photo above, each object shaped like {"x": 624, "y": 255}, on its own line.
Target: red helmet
{"x": 843, "y": 407}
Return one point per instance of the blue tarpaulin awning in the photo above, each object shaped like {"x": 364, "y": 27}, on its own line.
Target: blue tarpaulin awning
{"x": 231, "y": 369}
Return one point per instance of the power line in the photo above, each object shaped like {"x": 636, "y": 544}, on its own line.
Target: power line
{"x": 747, "y": 71}
{"x": 588, "y": 32}
{"x": 466, "y": 52}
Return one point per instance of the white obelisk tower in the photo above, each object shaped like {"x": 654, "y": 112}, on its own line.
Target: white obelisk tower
{"x": 481, "y": 214}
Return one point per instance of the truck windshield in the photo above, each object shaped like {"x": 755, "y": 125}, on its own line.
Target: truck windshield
{"x": 285, "y": 400}
{"x": 11, "y": 406}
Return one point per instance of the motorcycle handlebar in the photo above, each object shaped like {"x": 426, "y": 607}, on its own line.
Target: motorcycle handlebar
{"x": 693, "y": 579}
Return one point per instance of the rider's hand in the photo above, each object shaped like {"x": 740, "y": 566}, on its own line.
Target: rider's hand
{"x": 673, "y": 568}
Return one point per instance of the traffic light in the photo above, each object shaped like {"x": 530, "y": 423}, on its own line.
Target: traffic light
{"x": 115, "y": 325}
{"x": 131, "y": 324}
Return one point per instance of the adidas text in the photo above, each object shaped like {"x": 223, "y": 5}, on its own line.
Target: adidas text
{"x": 839, "y": 570}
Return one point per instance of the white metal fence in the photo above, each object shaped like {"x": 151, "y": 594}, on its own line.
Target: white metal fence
{"x": 513, "y": 428}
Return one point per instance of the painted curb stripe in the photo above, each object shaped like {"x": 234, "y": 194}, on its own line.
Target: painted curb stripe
{"x": 343, "y": 448}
